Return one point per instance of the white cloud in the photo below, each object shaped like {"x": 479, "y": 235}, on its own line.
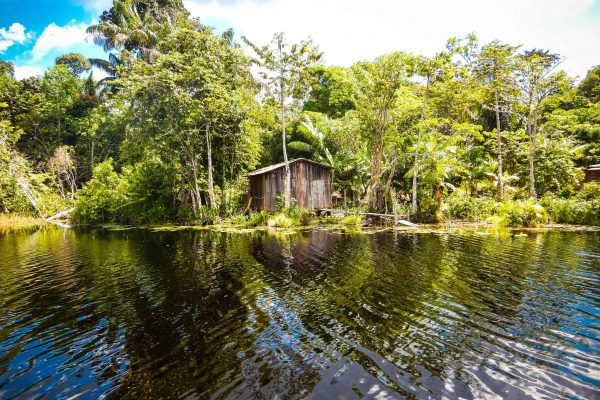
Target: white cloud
{"x": 14, "y": 34}
{"x": 25, "y": 71}
{"x": 5, "y": 44}
{"x": 352, "y": 30}
{"x": 58, "y": 37}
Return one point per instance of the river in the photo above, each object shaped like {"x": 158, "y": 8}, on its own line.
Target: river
{"x": 318, "y": 314}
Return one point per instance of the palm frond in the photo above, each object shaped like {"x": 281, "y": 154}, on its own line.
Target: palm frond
{"x": 301, "y": 146}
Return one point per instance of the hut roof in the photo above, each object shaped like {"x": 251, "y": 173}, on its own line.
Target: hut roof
{"x": 282, "y": 164}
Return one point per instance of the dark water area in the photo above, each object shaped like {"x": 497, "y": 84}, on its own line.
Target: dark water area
{"x": 324, "y": 315}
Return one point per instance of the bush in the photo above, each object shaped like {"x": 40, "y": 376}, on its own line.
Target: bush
{"x": 142, "y": 193}
{"x": 280, "y": 221}
{"x": 522, "y": 213}
{"x": 351, "y": 220}
{"x": 590, "y": 191}
{"x": 305, "y": 217}
{"x": 102, "y": 198}
{"x": 238, "y": 219}
{"x": 576, "y": 210}
{"x": 258, "y": 218}
{"x": 12, "y": 200}
{"x": 461, "y": 206}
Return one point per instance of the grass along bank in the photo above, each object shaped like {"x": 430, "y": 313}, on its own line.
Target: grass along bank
{"x": 17, "y": 222}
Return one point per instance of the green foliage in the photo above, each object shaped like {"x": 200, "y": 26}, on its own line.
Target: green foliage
{"x": 583, "y": 208}
{"x": 102, "y": 198}
{"x": 590, "y": 191}
{"x": 185, "y": 120}
{"x": 259, "y": 218}
{"x": 352, "y": 220}
{"x": 523, "y": 213}
{"x": 556, "y": 170}
{"x": 281, "y": 220}
{"x": 280, "y": 201}
{"x": 332, "y": 91}
{"x": 590, "y": 85}
{"x": 461, "y": 206}
{"x": 76, "y": 63}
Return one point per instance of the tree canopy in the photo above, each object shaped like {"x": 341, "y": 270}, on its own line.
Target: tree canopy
{"x": 186, "y": 113}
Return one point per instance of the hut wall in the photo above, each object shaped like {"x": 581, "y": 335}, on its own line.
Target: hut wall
{"x": 310, "y": 184}
{"x": 592, "y": 174}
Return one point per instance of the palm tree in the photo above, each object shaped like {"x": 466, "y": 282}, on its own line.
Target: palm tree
{"x": 133, "y": 25}
{"x": 123, "y": 28}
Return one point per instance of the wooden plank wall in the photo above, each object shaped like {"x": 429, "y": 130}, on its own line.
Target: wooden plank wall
{"x": 591, "y": 175}
{"x": 311, "y": 187}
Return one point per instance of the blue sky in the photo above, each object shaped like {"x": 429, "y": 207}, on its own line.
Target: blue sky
{"x": 33, "y": 33}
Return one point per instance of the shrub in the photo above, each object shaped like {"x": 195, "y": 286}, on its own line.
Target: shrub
{"x": 238, "y": 219}
{"x": 351, "y": 220}
{"x": 522, "y": 213}
{"x": 258, "y": 218}
{"x": 429, "y": 208}
{"x": 280, "y": 221}
{"x": 102, "y": 197}
{"x": 576, "y": 210}
{"x": 209, "y": 215}
{"x": 12, "y": 199}
{"x": 305, "y": 217}
{"x": 461, "y": 206}
{"x": 590, "y": 191}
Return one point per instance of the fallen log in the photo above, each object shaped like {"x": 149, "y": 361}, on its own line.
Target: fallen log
{"x": 406, "y": 223}
{"x": 60, "y": 215}
{"x": 396, "y": 218}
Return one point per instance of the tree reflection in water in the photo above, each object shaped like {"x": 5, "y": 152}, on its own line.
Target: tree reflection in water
{"x": 315, "y": 314}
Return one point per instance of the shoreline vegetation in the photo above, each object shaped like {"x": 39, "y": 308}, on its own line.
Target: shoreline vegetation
{"x": 478, "y": 132}
{"x": 355, "y": 224}
{"x": 20, "y": 222}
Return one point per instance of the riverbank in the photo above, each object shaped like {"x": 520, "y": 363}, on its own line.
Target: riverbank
{"x": 18, "y": 222}
{"x": 456, "y": 227}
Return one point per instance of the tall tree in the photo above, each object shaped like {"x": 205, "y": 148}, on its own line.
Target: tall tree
{"x": 285, "y": 72}
{"x": 136, "y": 25}
{"x": 590, "y": 85}
{"x": 187, "y": 105}
{"x": 496, "y": 65}
{"x": 76, "y": 63}
{"x": 378, "y": 85}
{"x": 432, "y": 70}
{"x": 537, "y": 81}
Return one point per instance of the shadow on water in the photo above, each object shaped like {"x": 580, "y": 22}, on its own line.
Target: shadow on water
{"x": 315, "y": 314}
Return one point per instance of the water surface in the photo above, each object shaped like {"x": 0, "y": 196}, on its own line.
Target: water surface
{"x": 317, "y": 314}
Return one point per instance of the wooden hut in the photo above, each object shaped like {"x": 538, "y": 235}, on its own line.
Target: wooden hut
{"x": 592, "y": 173}
{"x": 310, "y": 184}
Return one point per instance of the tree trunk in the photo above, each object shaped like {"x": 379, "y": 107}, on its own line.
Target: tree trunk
{"x": 211, "y": 185}
{"x": 92, "y": 158}
{"x": 418, "y": 144}
{"x": 195, "y": 190}
{"x": 388, "y": 184}
{"x": 532, "y": 145}
{"x": 414, "y": 178}
{"x": 288, "y": 174}
{"x": 499, "y": 146}
{"x": 374, "y": 195}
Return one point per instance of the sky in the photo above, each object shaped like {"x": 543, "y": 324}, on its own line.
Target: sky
{"x": 34, "y": 32}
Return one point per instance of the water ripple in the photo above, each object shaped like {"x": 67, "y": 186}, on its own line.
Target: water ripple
{"x": 312, "y": 315}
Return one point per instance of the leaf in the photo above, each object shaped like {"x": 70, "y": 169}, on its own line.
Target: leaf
{"x": 300, "y": 146}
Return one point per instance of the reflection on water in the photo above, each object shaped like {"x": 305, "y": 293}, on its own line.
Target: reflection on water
{"x": 318, "y": 315}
